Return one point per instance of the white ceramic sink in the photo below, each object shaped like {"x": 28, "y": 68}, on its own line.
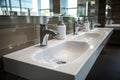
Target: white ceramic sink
{"x": 88, "y": 37}
{"x": 91, "y": 35}
{"x": 69, "y": 59}
{"x": 61, "y": 54}
{"x": 102, "y": 31}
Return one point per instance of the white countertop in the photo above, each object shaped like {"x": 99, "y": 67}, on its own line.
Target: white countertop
{"x": 112, "y": 25}
{"x": 73, "y": 68}
{"x": 115, "y": 26}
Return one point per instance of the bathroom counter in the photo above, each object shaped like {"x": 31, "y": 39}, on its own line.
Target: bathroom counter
{"x": 115, "y": 26}
{"x": 115, "y": 38}
{"x": 22, "y": 64}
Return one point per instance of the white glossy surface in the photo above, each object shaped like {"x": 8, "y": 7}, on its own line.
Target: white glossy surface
{"x": 88, "y": 37}
{"x": 102, "y": 31}
{"x": 61, "y": 54}
{"x": 115, "y": 26}
{"x": 79, "y": 64}
{"x": 112, "y": 25}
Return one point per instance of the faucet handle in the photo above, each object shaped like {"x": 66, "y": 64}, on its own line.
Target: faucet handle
{"x": 43, "y": 26}
{"x": 54, "y": 31}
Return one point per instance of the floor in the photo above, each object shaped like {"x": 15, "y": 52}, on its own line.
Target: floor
{"x": 107, "y": 66}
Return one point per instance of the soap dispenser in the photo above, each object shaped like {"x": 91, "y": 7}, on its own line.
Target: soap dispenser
{"x": 61, "y": 29}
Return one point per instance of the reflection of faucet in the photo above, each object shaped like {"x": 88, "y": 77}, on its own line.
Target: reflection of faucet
{"x": 77, "y": 26}
{"x": 44, "y": 34}
{"x": 95, "y": 24}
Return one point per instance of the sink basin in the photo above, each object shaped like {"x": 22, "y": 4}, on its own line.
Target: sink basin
{"x": 92, "y": 35}
{"x": 61, "y": 54}
{"x": 67, "y": 59}
{"x": 88, "y": 37}
{"x": 102, "y": 31}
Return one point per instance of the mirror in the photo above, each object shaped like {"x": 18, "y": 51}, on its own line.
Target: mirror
{"x": 18, "y": 7}
{"x": 82, "y": 8}
{"x": 108, "y": 12}
{"x": 72, "y": 8}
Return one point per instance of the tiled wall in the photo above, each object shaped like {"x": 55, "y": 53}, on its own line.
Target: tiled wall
{"x": 18, "y": 32}
{"x": 15, "y": 33}
{"x": 116, "y": 11}
{"x": 101, "y": 12}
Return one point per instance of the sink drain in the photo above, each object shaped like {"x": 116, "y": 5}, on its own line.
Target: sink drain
{"x": 61, "y": 62}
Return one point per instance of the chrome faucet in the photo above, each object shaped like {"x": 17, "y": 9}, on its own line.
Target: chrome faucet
{"x": 77, "y": 26}
{"x": 44, "y": 34}
{"x": 95, "y": 24}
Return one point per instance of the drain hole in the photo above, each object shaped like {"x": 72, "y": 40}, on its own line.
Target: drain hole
{"x": 61, "y": 62}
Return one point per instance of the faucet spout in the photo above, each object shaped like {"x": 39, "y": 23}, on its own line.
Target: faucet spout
{"x": 44, "y": 34}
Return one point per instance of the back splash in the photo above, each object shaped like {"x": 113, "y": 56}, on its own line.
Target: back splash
{"x": 18, "y": 32}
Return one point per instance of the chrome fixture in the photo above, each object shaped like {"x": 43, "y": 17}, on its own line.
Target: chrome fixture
{"x": 44, "y": 34}
{"x": 77, "y": 26}
{"x": 95, "y": 24}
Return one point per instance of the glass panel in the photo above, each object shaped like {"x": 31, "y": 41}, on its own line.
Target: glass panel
{"x": 45, "y": 12}
{"x": 72, "y": 3}
{"x": 34, "y": 11}
{"x": 24, "y": 12}
{"x": 45, "y": 4}
{"x": 72, "y": 12}
{"x": 15, "y": 3}
{"x": 72, "y": 8}
{"x": 16, "y": 9}
{"x": 1, "y": 12}
{"x": 45, "y": 8}
{"x": 82, "y": 11}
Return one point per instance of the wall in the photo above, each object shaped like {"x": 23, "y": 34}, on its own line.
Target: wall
{"x": 18, "y": 32}
{"x": 116, "y": 11}
{"x": 56, "y": 6}
{"x": 101, "y": 12}
{"x": 16, "y": 3}
{"x": 113, "y": 12}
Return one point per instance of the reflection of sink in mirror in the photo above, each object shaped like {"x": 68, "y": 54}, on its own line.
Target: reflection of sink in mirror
{"x": 61, "y": 54}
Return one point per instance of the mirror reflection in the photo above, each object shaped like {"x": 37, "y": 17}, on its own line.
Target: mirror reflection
{"x": 18, "y": 7}
{"x": 72, "y": 8}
